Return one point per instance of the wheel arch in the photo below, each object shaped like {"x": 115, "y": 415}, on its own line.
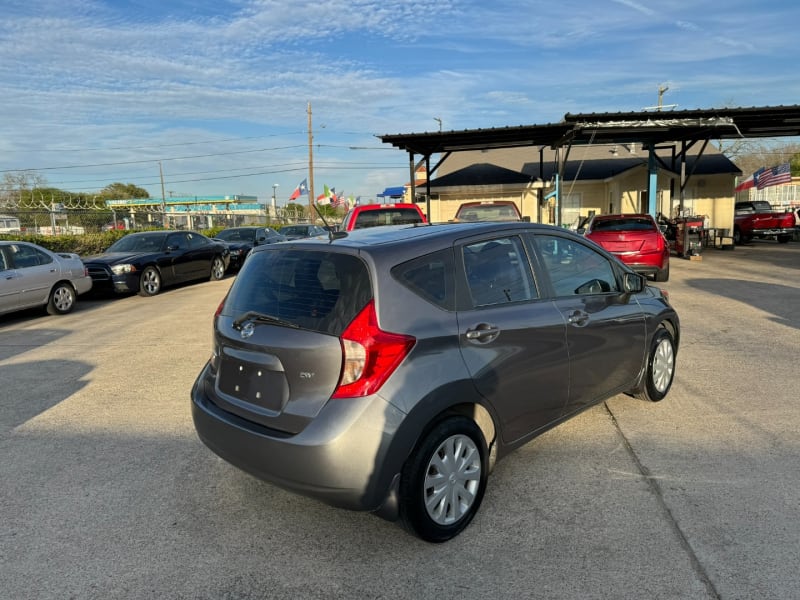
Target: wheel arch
{"x": 458, "y": 398}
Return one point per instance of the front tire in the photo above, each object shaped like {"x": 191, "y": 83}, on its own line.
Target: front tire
{"x": 660, "y": 368}
{"x": 62, "y": 299}
{"x": 217, "y": 269}
{"x": 150, "y": 282}
{"x": 444, "y": 480}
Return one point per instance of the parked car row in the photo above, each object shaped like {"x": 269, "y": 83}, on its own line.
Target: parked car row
{"x": 139, "y": 263}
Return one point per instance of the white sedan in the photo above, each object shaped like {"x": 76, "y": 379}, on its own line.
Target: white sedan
{"x": 33, "y": 276}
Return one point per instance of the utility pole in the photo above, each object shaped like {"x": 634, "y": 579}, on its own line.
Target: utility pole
{"x": 661, "y": 90}
{"x": 163, "y": 199}
{"x": 311, "y": 195}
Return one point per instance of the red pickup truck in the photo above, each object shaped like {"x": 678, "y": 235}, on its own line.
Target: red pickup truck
{"x": 757, "y": 220}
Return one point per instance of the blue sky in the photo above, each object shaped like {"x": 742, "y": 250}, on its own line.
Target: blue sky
{"x": 100, "y": 91}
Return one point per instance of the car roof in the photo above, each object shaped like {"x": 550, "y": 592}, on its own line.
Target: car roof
{"x": 393, "y": 206}
{"x": 617, "y": 217}
{"x": 413, "y": 234}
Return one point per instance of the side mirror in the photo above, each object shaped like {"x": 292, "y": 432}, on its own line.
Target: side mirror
{"x": 632, "y": 283}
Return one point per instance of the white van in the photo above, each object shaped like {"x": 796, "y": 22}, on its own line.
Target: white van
{"x": 9, "y": 224}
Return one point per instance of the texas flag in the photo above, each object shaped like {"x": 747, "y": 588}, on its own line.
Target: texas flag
{"x": 299, "y": 190}
{"x": 748, "y": 183}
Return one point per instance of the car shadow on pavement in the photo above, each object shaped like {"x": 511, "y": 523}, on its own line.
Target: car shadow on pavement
{"x": 769, "y": 297}
{"x": 28, "y": 391}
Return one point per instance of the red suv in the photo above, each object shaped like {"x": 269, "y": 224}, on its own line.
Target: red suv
{"x": 374, "y": 215}
{"x": 635, "y": 239}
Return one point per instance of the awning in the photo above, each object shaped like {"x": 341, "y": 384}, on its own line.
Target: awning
{"x": 393, "y": 192}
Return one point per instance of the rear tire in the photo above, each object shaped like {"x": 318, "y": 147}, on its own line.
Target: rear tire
{"x": 443, "y": 481}
{"x": 662, "y": 274}
{"x": 660, "y": 368}
{"x": 784, "y": 239}
{"x": 150, "y": 282}
{"x": 62, "y": 299}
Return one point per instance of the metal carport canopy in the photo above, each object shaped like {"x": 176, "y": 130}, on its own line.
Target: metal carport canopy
{"x": 646, "y": 127}
{"x": 649, "y": 128}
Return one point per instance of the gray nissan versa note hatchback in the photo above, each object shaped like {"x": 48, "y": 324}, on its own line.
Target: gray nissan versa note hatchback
{"x": 386, "y": 369}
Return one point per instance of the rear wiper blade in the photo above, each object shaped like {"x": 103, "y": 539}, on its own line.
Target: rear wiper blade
{"x": 253, "y": 315}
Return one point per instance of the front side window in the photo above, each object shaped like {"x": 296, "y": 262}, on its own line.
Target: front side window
{"x": 575, "y": 269}
{"x": 498, "y": 272}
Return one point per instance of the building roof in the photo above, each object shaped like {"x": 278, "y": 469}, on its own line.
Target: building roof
{"x": 585, "y": 163}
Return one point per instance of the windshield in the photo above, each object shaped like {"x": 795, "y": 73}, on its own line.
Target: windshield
{"x": 237, "y": 235}
{"x": 144, "y": 242}
{"x": 294, "y": 230}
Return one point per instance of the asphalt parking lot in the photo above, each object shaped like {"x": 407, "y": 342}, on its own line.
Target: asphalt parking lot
{"x": 107, "y": 492}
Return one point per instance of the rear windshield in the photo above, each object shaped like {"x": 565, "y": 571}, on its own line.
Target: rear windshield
{"x": 321, "y": 291}
{"x": 387, "y": 216}
{"x": 488, "y": 212}
{"x": 629, "y": 224}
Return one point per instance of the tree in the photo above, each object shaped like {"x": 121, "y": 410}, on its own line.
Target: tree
{"x": 295, "y": 211}
{"x": 16, "y": 183}
{"x": 755, "y": 155}
{"x": 122, "y": 191}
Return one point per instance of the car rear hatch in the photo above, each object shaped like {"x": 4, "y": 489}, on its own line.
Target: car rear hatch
{"x": 277, "y": 352}
{"x": 622, "y": 242}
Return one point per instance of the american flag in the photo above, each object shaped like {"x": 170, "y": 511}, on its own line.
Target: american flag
{"x": 775, "y": 176}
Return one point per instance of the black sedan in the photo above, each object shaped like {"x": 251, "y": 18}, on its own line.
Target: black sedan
{"x": 240, "y": 240}
{"x": 146, "y": 262}
{"x": 296, "y": 232}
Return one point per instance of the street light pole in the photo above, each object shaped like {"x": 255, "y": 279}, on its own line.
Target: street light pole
{"x": 274, "y": 207}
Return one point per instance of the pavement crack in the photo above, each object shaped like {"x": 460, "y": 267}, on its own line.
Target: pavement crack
{"x": 658, "y": 494}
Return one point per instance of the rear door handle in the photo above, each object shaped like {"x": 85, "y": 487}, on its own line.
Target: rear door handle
{"x": 578, "y": 318}
{"x": 483, "y": 333}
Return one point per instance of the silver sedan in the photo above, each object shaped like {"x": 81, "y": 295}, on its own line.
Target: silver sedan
{"x": 32, "y": 276}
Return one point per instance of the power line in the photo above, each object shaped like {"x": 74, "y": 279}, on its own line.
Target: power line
{"x": 213, "y": 141}
{"x": 150, "y": 160}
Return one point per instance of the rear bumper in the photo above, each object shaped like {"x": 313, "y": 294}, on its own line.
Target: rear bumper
{"x": 773, "y": 231}
{"x": 82, "y": 285}
{"x": 645, "y": 263}
{"x": 339, "y": 458}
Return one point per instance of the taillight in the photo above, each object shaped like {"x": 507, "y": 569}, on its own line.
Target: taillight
{"x": 219, "y": 308}
{"x": 370, "y": 355}
{"x": 653, "y": 243}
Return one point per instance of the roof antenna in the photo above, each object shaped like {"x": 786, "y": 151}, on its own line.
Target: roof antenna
{"x": 332, "y": 235}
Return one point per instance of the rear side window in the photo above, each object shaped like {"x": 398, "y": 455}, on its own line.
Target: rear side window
{"x": 498, "y": 272}
{"x": 321, "y": 291}
{"x": 430, "y": 277}
{"x": 28, "y": 256}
